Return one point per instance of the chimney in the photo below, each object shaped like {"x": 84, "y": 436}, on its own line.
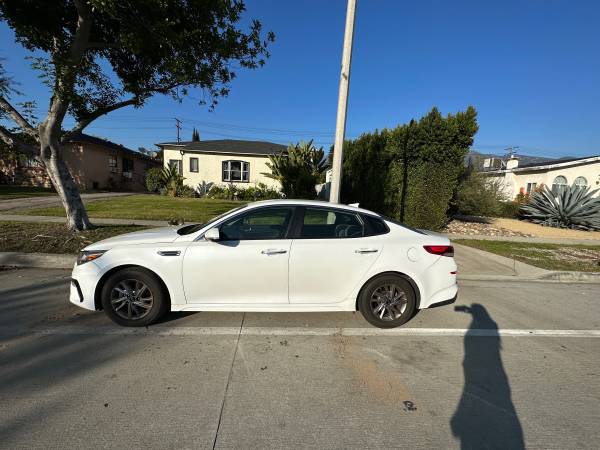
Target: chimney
{"x": 512, "y": 163}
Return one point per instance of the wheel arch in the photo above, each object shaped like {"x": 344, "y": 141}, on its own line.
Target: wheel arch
{"x": 100, "y": 284}
{"x": 412, "y": 283}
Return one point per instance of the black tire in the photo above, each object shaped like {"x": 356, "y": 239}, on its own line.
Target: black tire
{"x": 133, "y": 278}
{"x": 401, "y": 309}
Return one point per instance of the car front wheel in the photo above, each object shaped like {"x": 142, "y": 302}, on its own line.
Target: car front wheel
{"x": 387, "y": 301}
{"x": 133, "y": 297}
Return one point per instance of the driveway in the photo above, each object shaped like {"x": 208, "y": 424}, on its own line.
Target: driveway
{"x": 520, "y": 368}
{"x": 21, "y": 204}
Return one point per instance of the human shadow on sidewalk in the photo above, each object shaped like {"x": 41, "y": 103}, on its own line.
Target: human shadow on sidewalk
{"x": 485, "y": 416}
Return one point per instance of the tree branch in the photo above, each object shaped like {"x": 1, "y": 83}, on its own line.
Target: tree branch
{"x": 66, "y": 79}
{"x": 17, "y": 117}
{"x": 10, "y": 139}
{"x": 89, "y": 118}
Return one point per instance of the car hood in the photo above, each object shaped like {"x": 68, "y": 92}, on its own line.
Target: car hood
{"x": 154, "y": 235}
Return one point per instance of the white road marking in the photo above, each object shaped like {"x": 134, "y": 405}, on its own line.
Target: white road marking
{"x": 301, "y": 331}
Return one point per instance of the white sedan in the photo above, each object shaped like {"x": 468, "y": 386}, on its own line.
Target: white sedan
{"x": 277, "y": 255}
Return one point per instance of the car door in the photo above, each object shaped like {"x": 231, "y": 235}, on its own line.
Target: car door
{"x": 330, "y": 255}
{"x": 247, "y": 265}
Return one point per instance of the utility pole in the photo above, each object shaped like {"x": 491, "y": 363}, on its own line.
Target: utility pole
{"x": 178, "y": 126}
{"x": 340, "y": 125}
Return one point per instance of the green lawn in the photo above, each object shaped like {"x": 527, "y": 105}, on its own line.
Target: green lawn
{"x": 9, "y": 192}
{"x": 54, "y": 237}
{"x": 583, "y": 258}
{"x": 150, "y": 207}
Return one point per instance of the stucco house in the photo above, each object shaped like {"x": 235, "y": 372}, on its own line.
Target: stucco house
{"x": 242, "y": 163}
{"x": 556, "y": 174}
{"x": 94, "y": 163}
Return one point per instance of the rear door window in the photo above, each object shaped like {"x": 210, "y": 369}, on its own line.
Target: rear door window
{"x": 324, "y": 223}
{"x": 374, "y": 225}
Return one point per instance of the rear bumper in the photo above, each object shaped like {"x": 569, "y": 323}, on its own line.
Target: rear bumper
{"x": 444, "y": 302}
{"x": 443, "y": 296}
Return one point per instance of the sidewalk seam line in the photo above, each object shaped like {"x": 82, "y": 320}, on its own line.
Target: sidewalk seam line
{"x": 237, "y": 342}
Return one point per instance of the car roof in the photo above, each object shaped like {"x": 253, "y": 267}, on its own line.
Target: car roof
{"x": 317, "y": 203}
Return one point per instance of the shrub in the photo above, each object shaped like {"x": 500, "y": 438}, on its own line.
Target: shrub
{"x": 154, "y": 179}
{"x": 510, "y": 210}
{"x": 479, "y": 195}
{"x": 298, "y": 169}
{"x": 411, "y": 172}
{"x": 252, "y": 193}
{"x": 171, "y": 180}
{"x": 573, "y": 207}
{"x": 186, "y": 191}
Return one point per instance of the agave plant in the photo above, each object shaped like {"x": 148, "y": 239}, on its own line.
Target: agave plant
{"x": 573, "y": 207}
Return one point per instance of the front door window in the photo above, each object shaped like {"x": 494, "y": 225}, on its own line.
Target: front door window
{"x": 264, "y": 223}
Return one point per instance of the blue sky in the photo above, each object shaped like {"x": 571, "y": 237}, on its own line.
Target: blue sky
{"x": 530, "y": 68}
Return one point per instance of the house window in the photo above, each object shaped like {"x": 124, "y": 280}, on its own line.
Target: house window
{"x": 559, "y": 184}
{"x": 581, "y": 182}
{"x": 178, "y": 164}
{"x": 127, "y": 168}
{"x": 112, "y": 163}
{"x": 236, "y": 171}
{"x": 531, "y": 187}
{"x": 193, "y": 164}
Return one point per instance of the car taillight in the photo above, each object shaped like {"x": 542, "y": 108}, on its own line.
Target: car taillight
{"x": 442, "y": 250}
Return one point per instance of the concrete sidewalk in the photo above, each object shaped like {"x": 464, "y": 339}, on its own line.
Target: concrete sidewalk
{"x": 20, "y": 204}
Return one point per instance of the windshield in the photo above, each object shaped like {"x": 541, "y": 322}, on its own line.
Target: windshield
{"x": 192, "y": 228}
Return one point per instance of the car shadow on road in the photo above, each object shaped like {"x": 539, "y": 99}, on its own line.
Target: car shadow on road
{"x": 485, "y": 416}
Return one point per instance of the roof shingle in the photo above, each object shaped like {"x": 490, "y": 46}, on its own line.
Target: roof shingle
{"x": 228, "y": 146}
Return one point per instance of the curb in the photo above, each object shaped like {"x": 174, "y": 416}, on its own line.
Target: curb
{"x": 570, "y": 277}
{"x": 551, "y": 277}
{"x": 38, "y": 260}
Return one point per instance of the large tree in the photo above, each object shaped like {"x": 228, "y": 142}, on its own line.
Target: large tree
{"x": 101, "y": 55}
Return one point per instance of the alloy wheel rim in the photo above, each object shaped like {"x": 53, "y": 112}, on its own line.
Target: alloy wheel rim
{"x": 388, "y": 302}
{"x": 131, "y": 299}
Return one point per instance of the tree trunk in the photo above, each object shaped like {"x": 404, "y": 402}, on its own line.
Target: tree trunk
{"x": 51, "y": 152}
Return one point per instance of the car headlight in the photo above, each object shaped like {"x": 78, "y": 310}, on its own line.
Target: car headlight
{"x": 90, "y": 255}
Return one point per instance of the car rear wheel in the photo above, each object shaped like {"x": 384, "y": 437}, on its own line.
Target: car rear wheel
{"x": 133, "y": 297}
{"x": 387, "y": 301}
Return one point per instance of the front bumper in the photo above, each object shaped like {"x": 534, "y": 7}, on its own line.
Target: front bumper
{"x": 84, "y": 280}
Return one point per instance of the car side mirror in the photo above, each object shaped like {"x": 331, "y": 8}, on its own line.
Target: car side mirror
{"x": 212, "y": 234}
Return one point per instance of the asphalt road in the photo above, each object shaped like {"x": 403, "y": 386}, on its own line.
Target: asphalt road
{"x": 519, "y": 369}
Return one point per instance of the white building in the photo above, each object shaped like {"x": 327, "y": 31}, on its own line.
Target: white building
{"x": 553, "y": 173}
{"x": 222, "y": 162}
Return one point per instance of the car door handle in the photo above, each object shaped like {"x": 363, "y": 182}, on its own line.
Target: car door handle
{"x": 366, "y": 250}
{"x": 169, "y": 252}
{"x": 274, "y": 251}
